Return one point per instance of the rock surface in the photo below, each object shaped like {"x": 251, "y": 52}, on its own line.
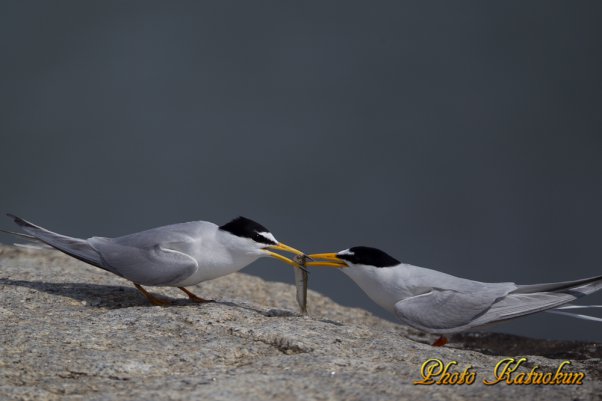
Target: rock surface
{"x": 70, "y": 331}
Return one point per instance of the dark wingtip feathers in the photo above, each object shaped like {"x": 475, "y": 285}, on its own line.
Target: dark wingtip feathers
{"x": 20, "y": 221}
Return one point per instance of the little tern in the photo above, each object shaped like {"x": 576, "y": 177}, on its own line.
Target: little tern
{"x": 177, "y": 255}
{"x": 440, "y": 303}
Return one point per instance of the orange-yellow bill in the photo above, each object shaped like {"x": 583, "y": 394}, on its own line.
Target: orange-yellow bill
{"x": 283, "y": 247}
{"x": 330, "y": 260}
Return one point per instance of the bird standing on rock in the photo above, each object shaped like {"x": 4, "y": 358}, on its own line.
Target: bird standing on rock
{"x": 440, "y": 303}
{"x": 178, "y": 255}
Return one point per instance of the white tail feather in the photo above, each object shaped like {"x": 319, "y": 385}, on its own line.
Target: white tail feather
{"x": 41, "y": 245}
{"x": 579, "y": 306}
{"x": 575, "y": 315}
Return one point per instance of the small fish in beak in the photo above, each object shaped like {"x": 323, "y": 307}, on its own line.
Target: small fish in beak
{"x": 301, "y": 279}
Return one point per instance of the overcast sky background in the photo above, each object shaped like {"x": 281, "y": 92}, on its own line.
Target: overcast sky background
{"x": 460, "y": 136}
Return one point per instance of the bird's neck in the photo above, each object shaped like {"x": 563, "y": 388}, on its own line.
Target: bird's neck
{"x": 380, "y": 284}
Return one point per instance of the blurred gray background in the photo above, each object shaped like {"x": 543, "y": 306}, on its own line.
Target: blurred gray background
{"x": 460, "y": 136}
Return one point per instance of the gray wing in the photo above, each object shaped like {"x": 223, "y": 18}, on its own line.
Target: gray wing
{"x": 448, "y": 311}
{"x": 441, "y": 311}
{"x": 516, "y": 305}
{"x": 153, "y": 257}
{"x": 527, "y": 299}
{"x": 156, "y": 264}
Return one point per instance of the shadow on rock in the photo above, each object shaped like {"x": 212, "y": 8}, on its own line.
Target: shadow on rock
{"x": 116, "y": 297}
{"x": 102, "y": 296}
{"x": 510, "y": 345}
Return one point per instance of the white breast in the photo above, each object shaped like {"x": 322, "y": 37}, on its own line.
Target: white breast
{"x": 216, "y": 256}
{"x": 215, "y": 264}
{"x": 385, "y": 286}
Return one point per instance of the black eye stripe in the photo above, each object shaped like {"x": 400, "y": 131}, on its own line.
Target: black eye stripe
{"x": 263, "y": 240}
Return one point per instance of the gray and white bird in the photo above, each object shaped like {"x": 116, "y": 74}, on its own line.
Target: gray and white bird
{"x": 178, "y": 255}
{"x": 440, "y": 303}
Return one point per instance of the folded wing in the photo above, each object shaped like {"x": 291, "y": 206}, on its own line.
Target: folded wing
{"x": 449, "y": 311}
{"x": 156, "y": 262}
{"x": 444, "y": 311}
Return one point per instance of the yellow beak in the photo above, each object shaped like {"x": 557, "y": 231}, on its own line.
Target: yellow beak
{"x": 285, "y": 248}
{"x": 331, "y": 260}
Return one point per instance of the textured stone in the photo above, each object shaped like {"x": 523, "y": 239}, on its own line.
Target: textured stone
{"x": 74, "y": 332}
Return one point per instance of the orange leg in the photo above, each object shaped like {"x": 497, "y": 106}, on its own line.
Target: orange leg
{"x": 195, "y": 298}
{"x": 151, "y": 298}
{"x": 440, "y": 342}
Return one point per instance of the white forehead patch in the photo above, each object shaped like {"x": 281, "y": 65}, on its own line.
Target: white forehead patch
{"x": 268, "y": 236}
{"x": 345, "y": 252}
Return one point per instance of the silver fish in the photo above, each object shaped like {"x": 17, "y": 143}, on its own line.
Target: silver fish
{"x": 301, "y": 278}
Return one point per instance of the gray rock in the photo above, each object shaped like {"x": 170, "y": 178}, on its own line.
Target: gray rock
{"x": 74, "y": 332}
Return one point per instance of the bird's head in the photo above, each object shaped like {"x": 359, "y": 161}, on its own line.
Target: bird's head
{"x": 253, "y": 238}
{"x": 357, "y": 256}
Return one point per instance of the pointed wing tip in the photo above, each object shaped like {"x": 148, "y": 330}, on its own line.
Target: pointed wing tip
{"x": 20, "y": 221}
{"x": 15, "y": 218}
